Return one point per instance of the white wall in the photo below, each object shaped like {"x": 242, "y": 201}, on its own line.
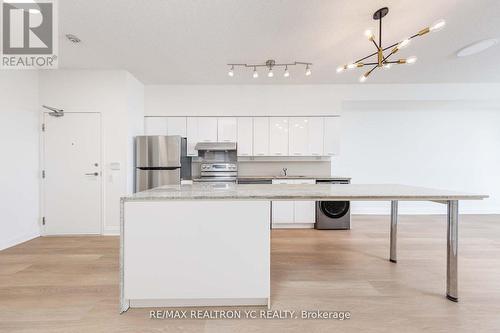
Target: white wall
{"x": 19, "y": 170}
{"x": 118, "y": 96}
{"x": 135, "y": 104}
{"x": 436, "y": 135}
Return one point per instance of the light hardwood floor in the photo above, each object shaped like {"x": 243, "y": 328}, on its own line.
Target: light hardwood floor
{"x": 70, "y": 284}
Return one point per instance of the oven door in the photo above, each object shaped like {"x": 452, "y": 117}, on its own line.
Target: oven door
{"x": 215, "y": 180}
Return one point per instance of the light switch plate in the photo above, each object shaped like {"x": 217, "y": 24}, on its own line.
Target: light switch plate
{"x": 114, "y": 166}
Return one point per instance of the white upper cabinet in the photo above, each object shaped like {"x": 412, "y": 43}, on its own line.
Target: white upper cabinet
{"x": 245, "y": 136}
{"x": 315, "y": 136}
{"x": 261, "y": 136}
{"x": 207, "y": 129}
{"x": 331, "y": 136}
{"x": 298, "y": 136}
{"x": 192, "y": 135}
{"x": 155, "y": 126}
{"x": 176, "y": 126}
{"x": 256, "y": 136}
{"x": 278, "y": 136}
{"x": 227, "y": 129}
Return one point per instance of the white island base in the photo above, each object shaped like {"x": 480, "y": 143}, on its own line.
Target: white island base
{"x": 195, "y": 253}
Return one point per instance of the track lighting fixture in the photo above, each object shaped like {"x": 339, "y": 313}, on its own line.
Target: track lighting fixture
{"x": 270, "y": 64}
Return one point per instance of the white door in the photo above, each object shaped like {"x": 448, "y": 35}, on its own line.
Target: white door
{"x": 226, "y": 129}
{"x": 207, "y": 129}
{"x": 332, "y": 136}
{"x": 298, "y": 136}
{"x": 278, "y": 136}
{"x": 261, "y": 136}
{"x": 245, "y": 136}
{"x": 72, "y": 168}
{"x": 176, "y": 126}
{"x": 315, "y": 136}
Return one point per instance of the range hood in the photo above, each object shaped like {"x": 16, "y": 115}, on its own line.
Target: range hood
{"x": 215, "y": 146}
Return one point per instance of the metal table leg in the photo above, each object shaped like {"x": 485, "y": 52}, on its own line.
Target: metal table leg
{"x": 452, "y": 252}
{"x": 394, "y": 230}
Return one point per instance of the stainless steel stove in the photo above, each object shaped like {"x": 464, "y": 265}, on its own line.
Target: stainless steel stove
{"x": 219, "y": 162}
{"x": 218, "y": 172}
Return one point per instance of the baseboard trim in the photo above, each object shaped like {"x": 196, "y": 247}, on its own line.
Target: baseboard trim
{"x": 111, "y": 231}
{"x": 151, "y": 303}
{"x": 18, "y": 240}
{"x": 293, "y": 225}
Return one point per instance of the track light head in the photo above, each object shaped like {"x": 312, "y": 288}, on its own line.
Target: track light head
{"x": 308, "y": 70}
{"x": 286, "y": 73}
{"x": 255, "y": 73}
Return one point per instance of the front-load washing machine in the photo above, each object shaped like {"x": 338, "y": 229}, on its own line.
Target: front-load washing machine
{"x": 333, "y": 215}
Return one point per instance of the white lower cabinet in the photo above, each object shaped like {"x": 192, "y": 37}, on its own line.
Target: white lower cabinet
{"x": 283, "y": 211}
{"x": 293, "y": 214}
{"x": 305, "y": 211}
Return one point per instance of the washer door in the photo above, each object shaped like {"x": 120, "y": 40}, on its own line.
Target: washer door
{"x": 334, "y": 209}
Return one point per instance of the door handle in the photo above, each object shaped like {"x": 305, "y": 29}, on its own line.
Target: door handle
{"x": 92, "y": 174}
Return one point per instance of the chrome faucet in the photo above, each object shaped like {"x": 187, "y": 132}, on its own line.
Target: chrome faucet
{"x": 284, "y": 171}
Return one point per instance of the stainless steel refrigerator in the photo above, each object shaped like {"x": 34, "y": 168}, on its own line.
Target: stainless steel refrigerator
{"x": 160, "y": 160}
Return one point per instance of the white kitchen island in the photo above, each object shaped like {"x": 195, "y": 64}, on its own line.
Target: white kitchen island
{"x": 209, "y": 244}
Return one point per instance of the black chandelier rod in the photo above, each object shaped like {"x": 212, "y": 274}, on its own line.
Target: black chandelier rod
{"x": 380, "y": 33}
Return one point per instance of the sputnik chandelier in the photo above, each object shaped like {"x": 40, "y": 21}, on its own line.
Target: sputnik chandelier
{"x": 382, "y": 60}
{"x": 270, "y": 65}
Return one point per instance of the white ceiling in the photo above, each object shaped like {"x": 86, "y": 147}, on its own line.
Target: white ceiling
{"x": 190, "y": 42}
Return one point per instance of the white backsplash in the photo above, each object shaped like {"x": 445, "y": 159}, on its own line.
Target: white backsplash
{"x": 274, "y": 168}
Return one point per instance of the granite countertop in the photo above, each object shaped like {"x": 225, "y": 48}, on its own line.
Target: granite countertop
{"x": 335, "y": 192}
{"x": 294, "y": 177}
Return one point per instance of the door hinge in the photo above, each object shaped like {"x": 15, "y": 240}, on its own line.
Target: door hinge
{"x": 43, "y": 174}
{"x": 43, "y": 220}
{"x": 43, "y": 127}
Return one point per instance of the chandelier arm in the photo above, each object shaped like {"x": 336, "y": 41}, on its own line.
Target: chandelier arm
{"x": 371, "y": 70}
{"x": 387, "y": 57}
{"x": 368, "y": 56}
{"x": 375, "y": 43}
